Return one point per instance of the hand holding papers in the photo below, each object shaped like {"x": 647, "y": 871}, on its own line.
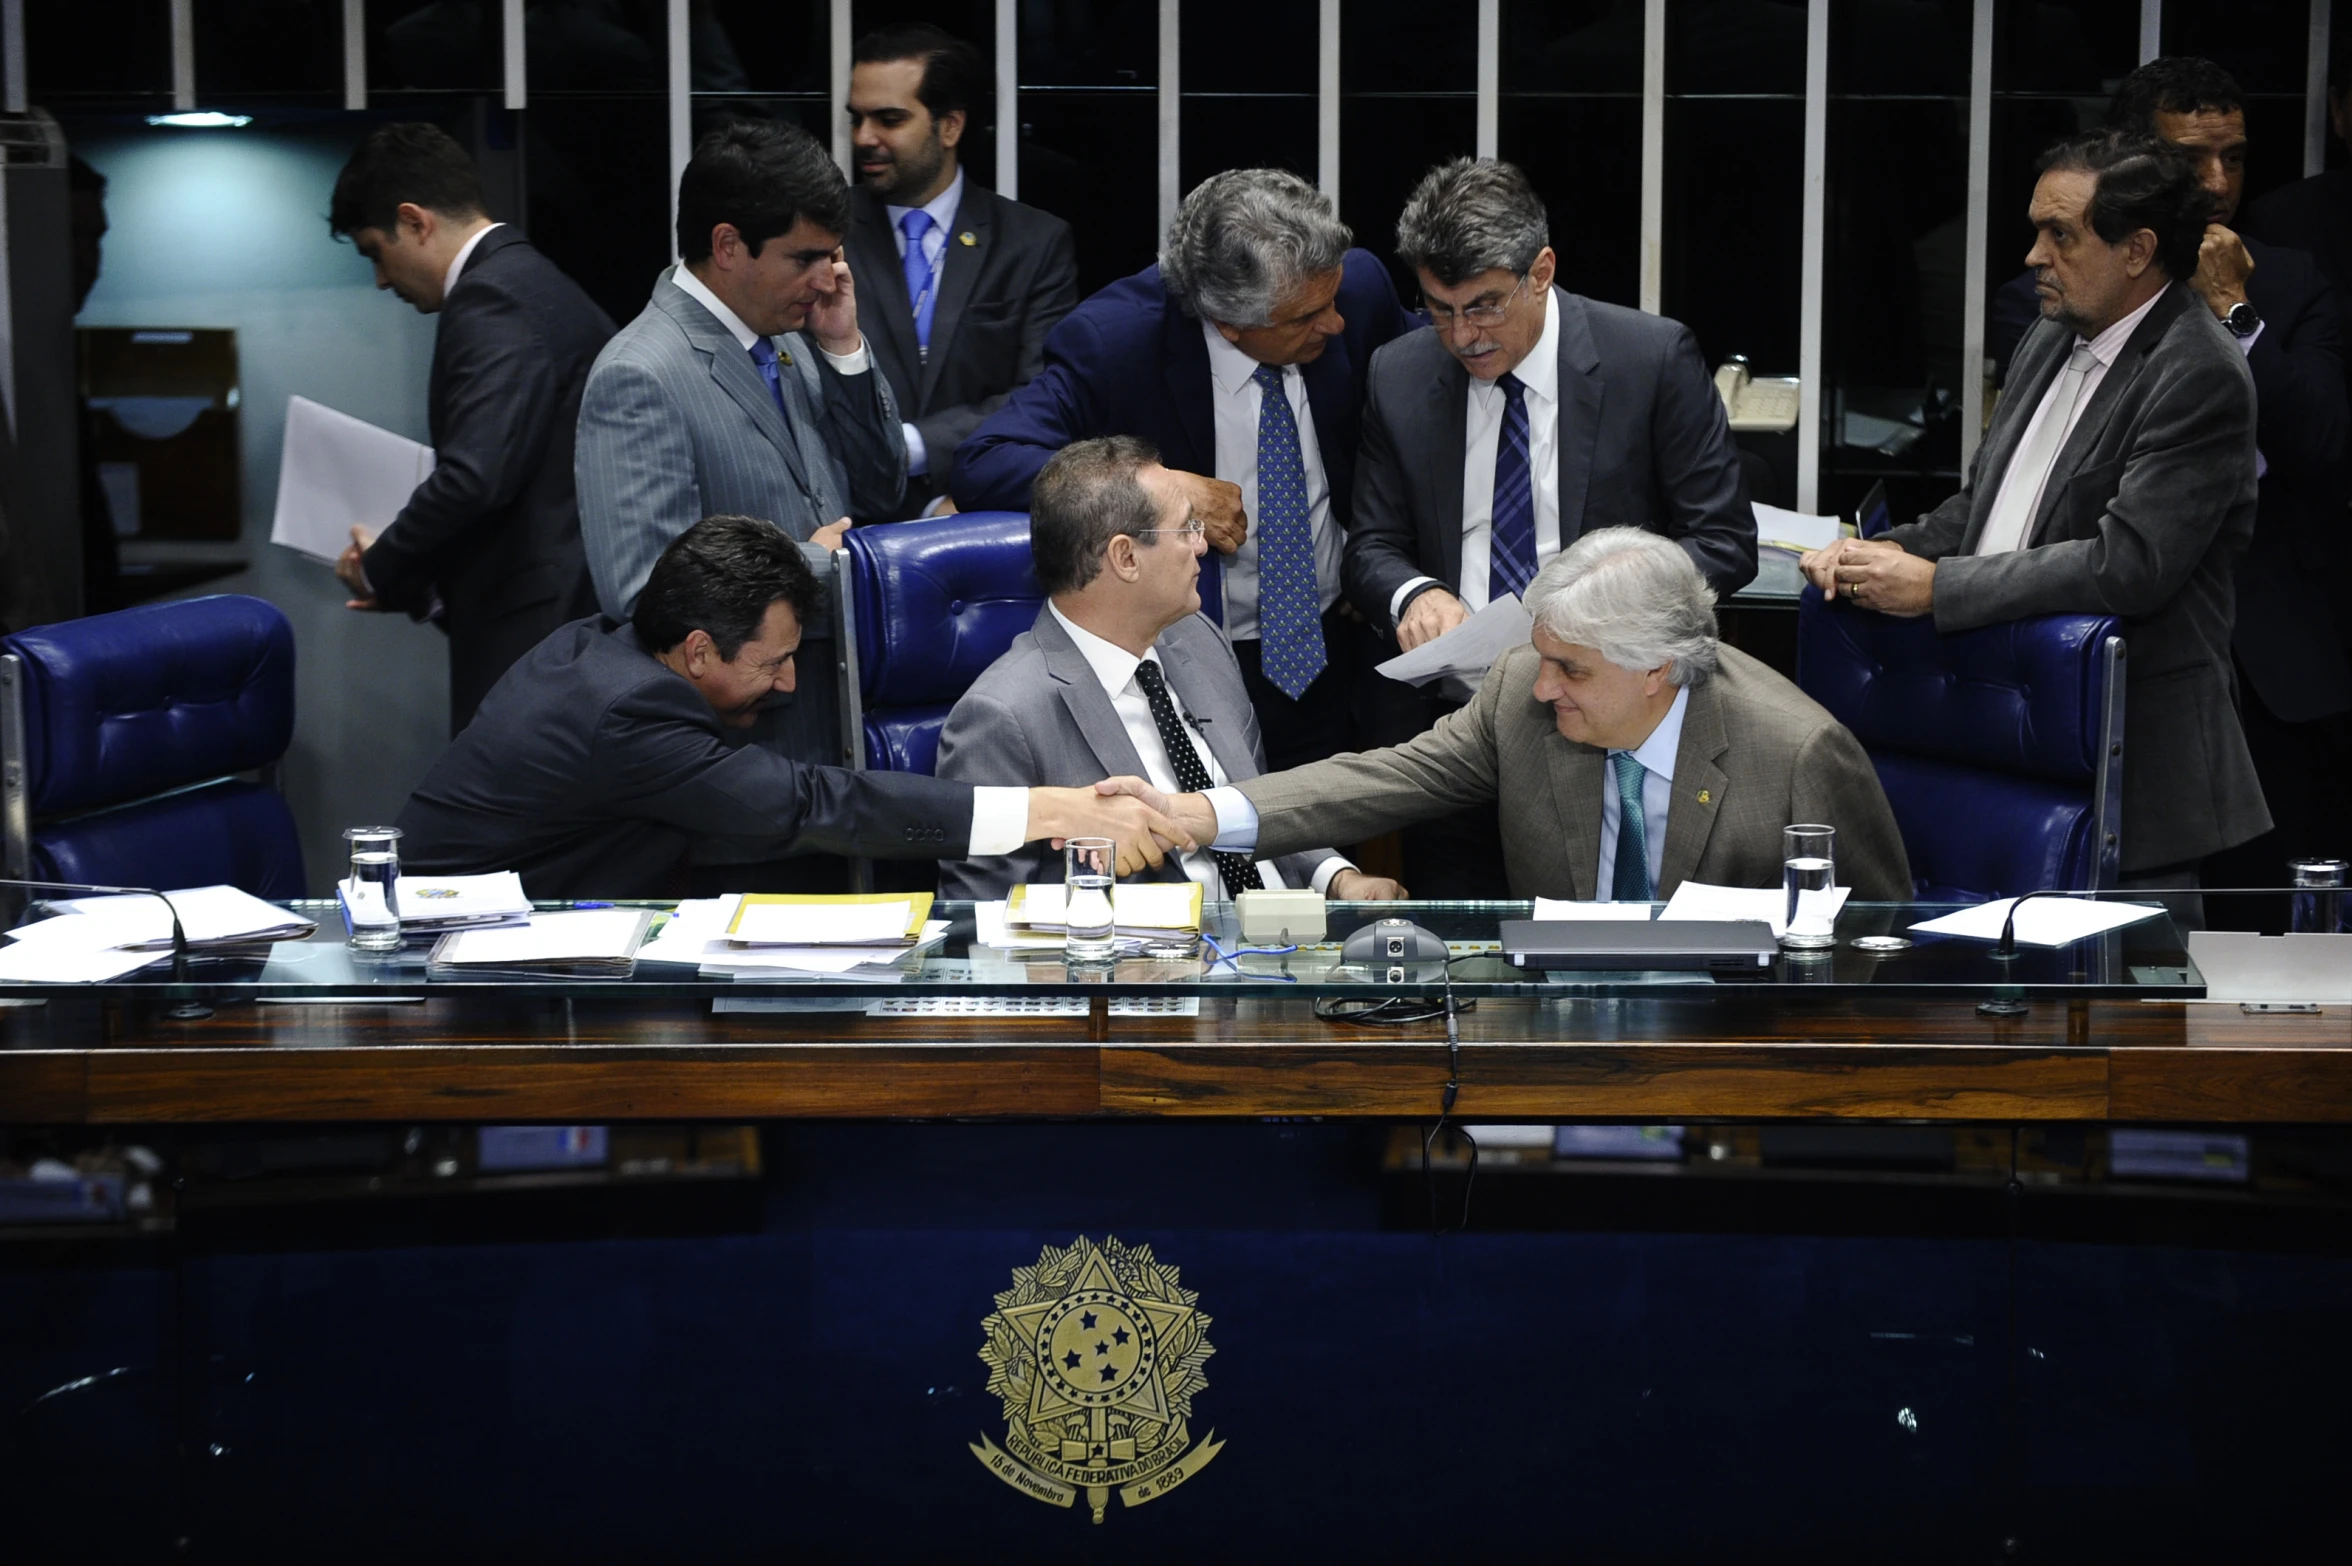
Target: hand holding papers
{"x": 338, "y": 472}
{"x": 1465, "y": 653}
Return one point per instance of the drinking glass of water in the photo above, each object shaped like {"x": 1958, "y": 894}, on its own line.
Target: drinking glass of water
{"x": 1090, "y": 867}
{"x": 371, "y": 897}
{"x": 1808, "y": 871}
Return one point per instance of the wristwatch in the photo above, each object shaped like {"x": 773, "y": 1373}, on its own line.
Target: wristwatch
{"x": 2241, "y": 320}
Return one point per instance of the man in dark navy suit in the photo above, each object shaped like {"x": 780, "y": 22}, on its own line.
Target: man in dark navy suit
{"x": 2294, "y": 676}
{"x": 489, "y": 544}
{"x": 1242, "y": 356}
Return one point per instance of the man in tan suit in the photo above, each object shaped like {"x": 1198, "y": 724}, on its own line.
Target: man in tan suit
{"x": 1626, "y": 748}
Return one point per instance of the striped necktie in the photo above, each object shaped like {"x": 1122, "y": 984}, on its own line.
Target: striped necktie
{"x": 1511, "y": 540}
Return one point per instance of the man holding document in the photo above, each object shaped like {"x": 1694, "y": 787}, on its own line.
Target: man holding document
{"x": 1624, "y": 749}
{"x": 611, "y": 748}
{"x": 489, "y": 544}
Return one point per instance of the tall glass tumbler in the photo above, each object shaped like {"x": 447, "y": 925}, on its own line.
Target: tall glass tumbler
{"x": 2320, "y": 904}
{"x": 1808, "y": 871}
{"x": 1090, "y": 868}
{"x": 371, "y": 895}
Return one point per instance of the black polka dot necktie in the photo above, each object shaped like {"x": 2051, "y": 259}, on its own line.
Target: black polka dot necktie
{"x": 1239, "y": 873}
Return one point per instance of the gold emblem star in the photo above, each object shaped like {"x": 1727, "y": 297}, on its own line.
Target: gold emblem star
{"x": 1706, "y": 798}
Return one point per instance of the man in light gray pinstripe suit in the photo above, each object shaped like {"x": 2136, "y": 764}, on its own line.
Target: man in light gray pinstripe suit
{"x": 744, "y": 387}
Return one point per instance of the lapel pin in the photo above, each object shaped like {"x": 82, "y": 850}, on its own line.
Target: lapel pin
{"x": 1706, "y": 798}
{"x": 967, "y": 237}
{"x": 784, "y": 356}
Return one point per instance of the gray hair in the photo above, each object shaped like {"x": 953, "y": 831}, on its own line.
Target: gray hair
{"x": 1471, "y": 216}
{"x": 1633, "y": 597}
{"x": 1246, "y": 238}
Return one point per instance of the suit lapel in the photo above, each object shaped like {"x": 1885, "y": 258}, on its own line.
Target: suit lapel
{"x": 1446, "y": 420}
{"x": 1580, "y": 389}
{"x": 2040, "y": 366}
{"x": 882, "y": 283}
{"x": 1186, "y": 372}
{"x": 960, "y": 266}
{"x": 1575, "y": 773}
{"x": 1196, "y": 694}
{"x": 1690, "y": 824}
{"x": 1082, "y": 696}
{"x": 736, "y": 375}
{"x": 2112, "y": 388}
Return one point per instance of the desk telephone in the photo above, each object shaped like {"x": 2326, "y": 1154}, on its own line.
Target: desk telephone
{"x": 1768, "y": 404}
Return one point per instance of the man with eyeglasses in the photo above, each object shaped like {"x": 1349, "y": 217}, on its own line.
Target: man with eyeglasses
{"x": 1242, "y": 356}
{"x": 744, "y": 387}
{"x": 1527, "y": 417}
{"x": 1120, "y": 676}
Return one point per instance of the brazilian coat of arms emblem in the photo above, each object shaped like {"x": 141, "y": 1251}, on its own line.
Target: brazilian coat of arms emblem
{"x": 1096, "y": 1353}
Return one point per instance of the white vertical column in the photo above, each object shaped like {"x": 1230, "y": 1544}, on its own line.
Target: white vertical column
{"x": 841, "y": 43}
{"x": 2151, "y": 29}
{"x": 511, "y": 53}
{"x": 681, "y": 82}
{"x": 1653, "y": 157}
{"x": 2315, "y": 83}
{"x": 1490, "y": 76}
{"x": 1327, "y": 102}
{"x": 183, "y": 30}
{"x": 354, "y": 54}
{"x": 1815, "y": 254}
{"x": 1980, "y": 200}
{"x": 1171, "y": 113}
{"x": 1008, "y": 98}
{"x": 13, "y": 93}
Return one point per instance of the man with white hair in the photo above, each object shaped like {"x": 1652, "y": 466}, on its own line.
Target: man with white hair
{"x": 1242, "y": 357}
{"x": 1625, "y": 750}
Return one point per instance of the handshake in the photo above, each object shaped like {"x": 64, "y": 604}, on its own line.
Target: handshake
{"x": 1146, "y": 824}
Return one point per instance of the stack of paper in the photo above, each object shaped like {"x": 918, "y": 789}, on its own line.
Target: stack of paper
{"x": 452, "y": 902}
{"x": 1760, "y": 904}
{"x": 587, "y": 943}
{"x": 335, "y": 472}
{"x": 1140, "y": 910}
{"x": 94, "y": 939}
{"x": 866, "y": 919}
{"x": 697, "y": 936}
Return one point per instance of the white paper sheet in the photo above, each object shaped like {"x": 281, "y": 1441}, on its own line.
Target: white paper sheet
{"x": 995, "y": 928}
{"x": 582, "y": 935}
{"x": 1468, "y": 650}
{"x": 824, "y": 924}
{"x": 818, "y": 962}
{"x": 337, "y": 471}
{"x": 1559, "y": 908}
{"x": 1775, "y": 525}
{"x": 697, "y": 925}
{"x": 448, "y": 899}
{"x": 208, "y": 915}
{"x": 50, "y": 962}
{"x": 1762, "y": 904}
{"x": 2044, "y": 921}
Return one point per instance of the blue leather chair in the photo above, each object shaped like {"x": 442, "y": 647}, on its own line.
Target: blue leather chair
{"x": 2001, "y": 749}
{"x": 121, "y": 734}
{"x": 926, "y": 606}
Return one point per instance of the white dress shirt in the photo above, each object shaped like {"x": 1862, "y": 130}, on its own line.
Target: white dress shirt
{"x": 2104, "y": 350}
{"x": 1656, "y": 754}
{"x": 1235, "y": 395}
{"x": 942, "y": 211}
{"x": 464, "y": 254}
{"x": 1114, "y": 666}
{"x": 1539, "y": 372}
{"x": 853, "y": 363}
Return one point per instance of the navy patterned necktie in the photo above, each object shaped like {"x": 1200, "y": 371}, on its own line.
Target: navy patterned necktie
{"x": 1511, "y": 540}
{"x": 1290, "y": 604}
{"x": 1238, "y": 873}
{"x": 1631, "y": 880}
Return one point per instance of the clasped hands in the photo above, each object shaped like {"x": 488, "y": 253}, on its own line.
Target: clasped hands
{"x": 1871, "y": 573}
{"x": 1191, "y": 822}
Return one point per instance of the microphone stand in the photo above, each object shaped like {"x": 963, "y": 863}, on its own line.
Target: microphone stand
{"x": 2006, "y": 952}
{"x": 187, "y": 1007}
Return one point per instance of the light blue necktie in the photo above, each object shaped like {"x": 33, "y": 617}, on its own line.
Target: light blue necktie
{"x": 1290, "y": 604}
{"x": 763, "y": 354}
{"x": 1510, "y": 549}
{"x": 1632, "y": 882}
{"x": 921, "y": 295}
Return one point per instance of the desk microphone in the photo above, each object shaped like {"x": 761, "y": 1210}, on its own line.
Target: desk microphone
{"x": 189, "y": 1008}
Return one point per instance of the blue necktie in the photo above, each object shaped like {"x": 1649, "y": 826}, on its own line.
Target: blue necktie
{"x": 1632, "y": 880}
{"x": 1290, "y": 604}
{"x": 921, "y": 295}
{"x": 1511, "y": 541}
{"x": 763, "y": 354}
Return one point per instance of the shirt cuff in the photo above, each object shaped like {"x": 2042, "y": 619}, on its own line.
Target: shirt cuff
{"x": 1396, "y": 600}
{"x": 918, "y": 457}
{"x": 849, "y": 363}
{"x": 1237, "y": 820}
{"x": 2247, "y": 342}
{"x": 1328, "y": 872}
{"x": 1000, "y": 821}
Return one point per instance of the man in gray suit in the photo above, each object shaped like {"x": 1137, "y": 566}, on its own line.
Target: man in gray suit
{"x": 1625, "y": 751}
{"x": 608, "y": 748}
{"x": 2118, "y": 477}
{"x": 1122, "y": 674}
{"x": 961, "y": 284}
{"x": 744, "y": 387}
{"x": 1528, "y": 417}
